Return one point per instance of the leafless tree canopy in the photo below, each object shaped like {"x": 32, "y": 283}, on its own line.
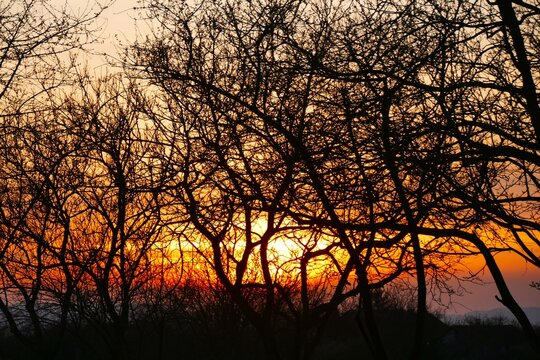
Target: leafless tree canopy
{"x": 266, "y": 164}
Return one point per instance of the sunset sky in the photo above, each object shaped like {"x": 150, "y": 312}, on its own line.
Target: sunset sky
{"x": 119, "y": 29}
{"x": 518, "y": 276}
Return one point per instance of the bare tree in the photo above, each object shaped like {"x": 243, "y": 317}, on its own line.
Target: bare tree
{"x": 37, "y": 281}
{"x": 117, "y": 228}
{"x": 37, "y": 36}
{"x": 260, "y": 141}
{"x": 400, "y": 124}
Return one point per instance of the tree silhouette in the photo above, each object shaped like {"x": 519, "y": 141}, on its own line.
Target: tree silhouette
{"x": 259, "y": 166}
{"x": 398, "y": 148}
{"x": 36, "y": 35}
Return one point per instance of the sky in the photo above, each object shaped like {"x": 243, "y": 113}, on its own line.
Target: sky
{"x": 119, "y": 27}
{"x": 518, "y": 275}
